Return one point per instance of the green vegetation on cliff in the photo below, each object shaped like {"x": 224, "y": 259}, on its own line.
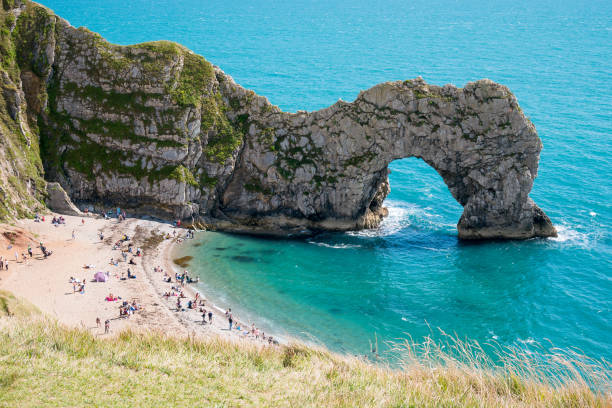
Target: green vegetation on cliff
{"x": 224, "y": 137}
{"x": 35, "y": 30}
{"x": 193, "y": 80}
{"x": 46, "y": 364}
{"x": 131, "y": 115}
{"x": 22, "y": 186}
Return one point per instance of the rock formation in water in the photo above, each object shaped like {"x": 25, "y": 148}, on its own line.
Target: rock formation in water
{"x": 158, "y": 130}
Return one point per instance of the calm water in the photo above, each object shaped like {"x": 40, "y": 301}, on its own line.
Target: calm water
{"x": 413, "y": 273}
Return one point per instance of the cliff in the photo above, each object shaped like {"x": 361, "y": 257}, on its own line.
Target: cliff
{"x": 158, "y": 130}
{"x": 22, "y": 186}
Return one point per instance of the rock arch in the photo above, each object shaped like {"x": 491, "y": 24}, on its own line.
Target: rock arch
{"x": 157, "y": 129}
{"x": 329, "y": 169}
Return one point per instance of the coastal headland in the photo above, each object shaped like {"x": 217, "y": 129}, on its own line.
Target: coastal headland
{"x": 158, "y": 130}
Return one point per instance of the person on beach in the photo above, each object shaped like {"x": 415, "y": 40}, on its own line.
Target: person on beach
{"x": 30, "y": 250}
{"x": 106, "y": 326}
{"x": 82, "y": 221}
{"x": 73, "y": 236}
{"x": 210, "y": 315}
{"x": 98, "y": 322}
{"x": 231, "y": 321}
{"x": 203, "y": 316}
{"x": 16, "y": 256}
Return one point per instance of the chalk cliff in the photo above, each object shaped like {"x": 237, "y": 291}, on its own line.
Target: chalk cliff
{"x": 157, "y": 129}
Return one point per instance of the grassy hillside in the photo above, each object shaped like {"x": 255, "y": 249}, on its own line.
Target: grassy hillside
{"x": 45, "y": 364}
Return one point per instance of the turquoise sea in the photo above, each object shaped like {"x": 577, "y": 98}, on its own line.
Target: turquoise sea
{"x": 412, "y": 275}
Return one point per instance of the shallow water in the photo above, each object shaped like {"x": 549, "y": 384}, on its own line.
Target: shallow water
{"x": 413, "y": 273}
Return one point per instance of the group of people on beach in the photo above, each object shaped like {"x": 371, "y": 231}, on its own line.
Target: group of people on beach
{"x": 198, "y": 304}
{"x": 177, "y": 282}
{"x": 4, "y": 262}
{"x": 77, "y": 285}
{"x": 127, "y": 309}
{"x": 58, "y": 221}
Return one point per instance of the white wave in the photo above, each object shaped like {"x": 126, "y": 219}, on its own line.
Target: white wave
{"x": 435, "y": 249}
{"x": 336, "y": 246}
{"x": 394, "y": 222}
{"x": 568, "y": 235}
{"x": 402, "y": 215}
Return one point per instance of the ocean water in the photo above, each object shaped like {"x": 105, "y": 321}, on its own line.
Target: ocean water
{"x": 412, "y": 276}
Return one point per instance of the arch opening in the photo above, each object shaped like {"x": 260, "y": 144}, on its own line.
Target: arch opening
{"x": 419, "y": 197}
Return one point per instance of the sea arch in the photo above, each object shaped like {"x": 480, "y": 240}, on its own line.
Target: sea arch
{"x": 180, "y": 139}
{"x": 328, "y": 170}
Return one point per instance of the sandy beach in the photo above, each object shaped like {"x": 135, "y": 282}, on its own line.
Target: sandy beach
{"x": 46, "y": 282}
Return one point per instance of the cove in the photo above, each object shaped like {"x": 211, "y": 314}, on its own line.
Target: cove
{"x": 553, "y": 56}
{"x": 408, "y": 277}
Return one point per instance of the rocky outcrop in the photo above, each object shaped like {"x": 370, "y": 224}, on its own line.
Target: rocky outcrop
{"x": 157, "y": 129}
{"x": 59, "y": 202}
{"x": 328, "y": 169}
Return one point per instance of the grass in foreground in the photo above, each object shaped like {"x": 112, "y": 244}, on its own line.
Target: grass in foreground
{"x": 45, "y": 364}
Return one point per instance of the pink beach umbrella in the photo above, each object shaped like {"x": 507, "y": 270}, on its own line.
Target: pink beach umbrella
{"x": 100, "y": 277}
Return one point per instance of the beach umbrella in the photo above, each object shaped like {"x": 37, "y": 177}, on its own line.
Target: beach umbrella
{"x": 100, "y": 277}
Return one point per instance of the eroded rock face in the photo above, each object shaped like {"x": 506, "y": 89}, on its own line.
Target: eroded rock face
{"x": 59, "y": 202}
{"x": 158, "y": 130}
{"x": 328, "y": 169}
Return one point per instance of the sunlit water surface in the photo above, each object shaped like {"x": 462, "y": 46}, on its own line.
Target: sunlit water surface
{"x": 412, "y": 273}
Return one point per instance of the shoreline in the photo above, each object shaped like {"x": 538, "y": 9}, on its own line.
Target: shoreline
{"x": 45, "y": 282}
{"x": 164, "y": 255}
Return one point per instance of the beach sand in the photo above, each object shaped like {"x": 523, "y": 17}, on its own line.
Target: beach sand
{"x": 46, "y": 282}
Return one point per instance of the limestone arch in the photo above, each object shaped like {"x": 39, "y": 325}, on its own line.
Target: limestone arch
{"x": 328, "y": 169}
